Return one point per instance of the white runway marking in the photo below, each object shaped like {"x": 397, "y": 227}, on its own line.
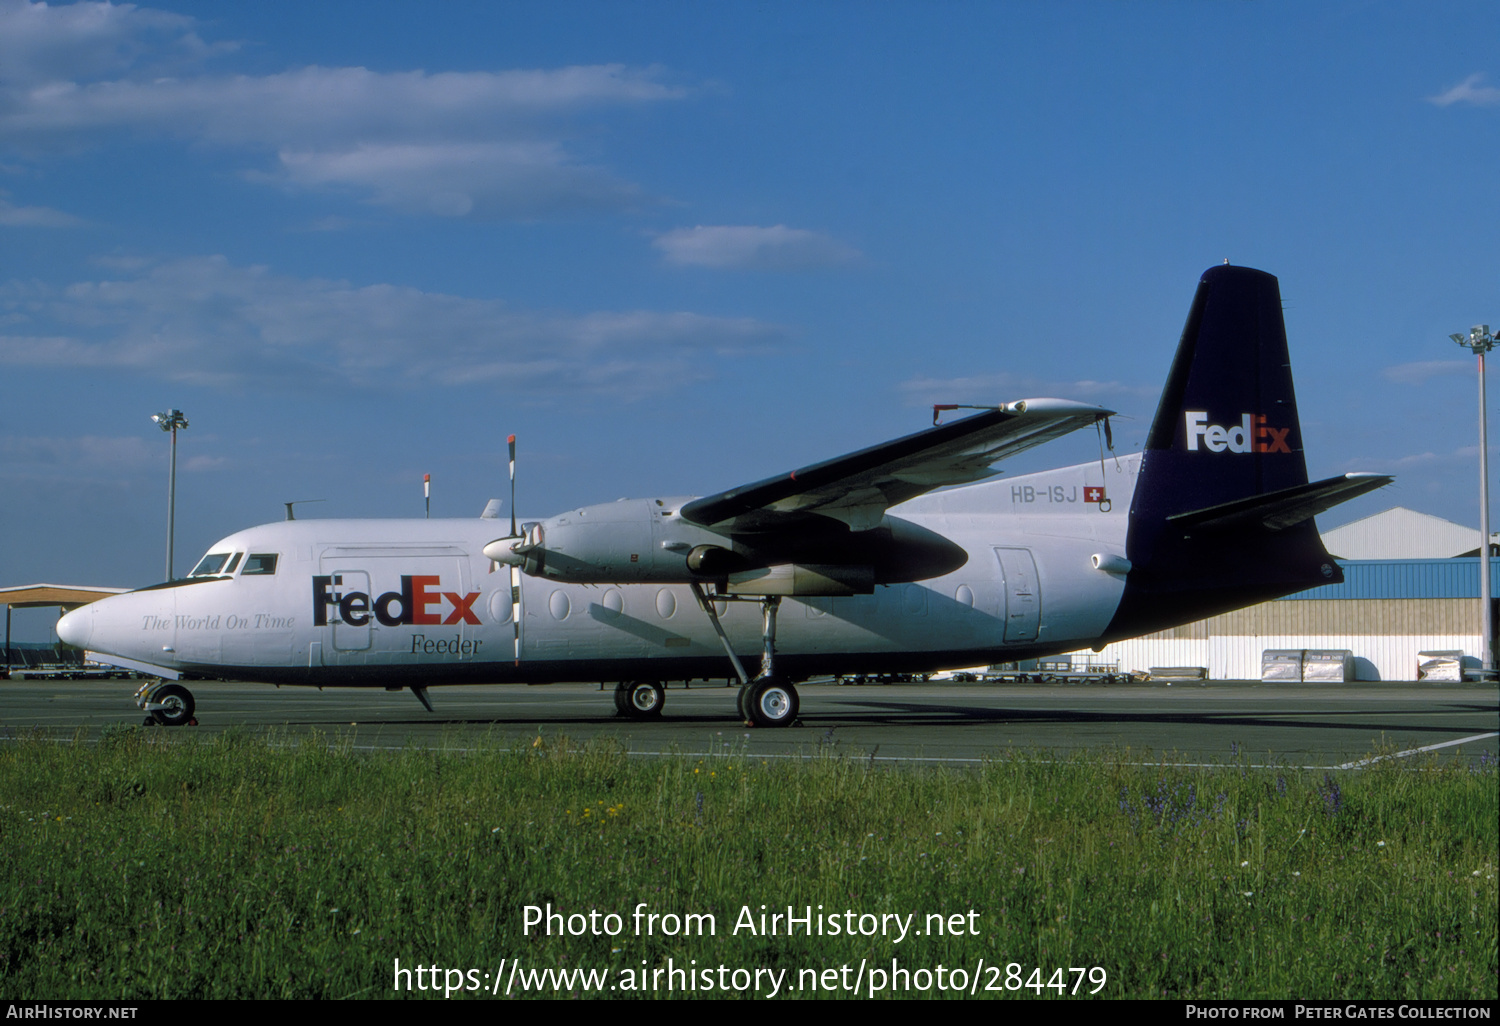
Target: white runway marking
{"x": 1419, "y": 751}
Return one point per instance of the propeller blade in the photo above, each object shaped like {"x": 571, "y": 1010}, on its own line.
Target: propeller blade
{"x": 515, "y": 607}
{"x": 512, "y": 441}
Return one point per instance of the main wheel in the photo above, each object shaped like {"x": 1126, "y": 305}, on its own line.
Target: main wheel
{"x": 176, "y": 705}
{"x": 771, "y": 702}
{"x": 644, "y": 699}
{"x": 622, "y": 698}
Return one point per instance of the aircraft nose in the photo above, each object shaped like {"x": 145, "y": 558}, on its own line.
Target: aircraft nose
{"x": 76, "y": 628}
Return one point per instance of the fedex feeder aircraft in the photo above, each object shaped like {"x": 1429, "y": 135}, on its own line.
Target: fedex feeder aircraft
{"x": 858, "y": 564}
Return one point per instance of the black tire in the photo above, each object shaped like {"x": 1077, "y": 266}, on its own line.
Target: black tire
{"x": 643, "y": 700}
{"x": 622, "y": 698}
{"x": 771, "y": 702}
{"x": 177, "y": 705}
{"x": 739, "y": 702}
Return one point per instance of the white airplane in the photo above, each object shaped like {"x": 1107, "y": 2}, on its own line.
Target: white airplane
{"x": 858, "y": 564}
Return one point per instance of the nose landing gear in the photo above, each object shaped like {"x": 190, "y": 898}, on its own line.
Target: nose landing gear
{"x": 166, "y": 704}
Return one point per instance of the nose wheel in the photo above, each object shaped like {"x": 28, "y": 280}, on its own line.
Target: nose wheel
{"x": 166, "y": 704}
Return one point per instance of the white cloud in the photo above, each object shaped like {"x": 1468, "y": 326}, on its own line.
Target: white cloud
{"x": 333, "y": 107}
{"x": 456, "y": 144}
{"x": 40, "y": 42}
{"x": 746, "y": 247}
{"x": 453, "y": 144}
{"x": 1472, "y": 91}
{"x": 204, "y": 321}
{"x": 83, "y": 452}
{"x": 1004, "y": 388}
{"x": 1414, "y": 462}
{"x": 12, "y": 216}
{"x": 1421, "y": 371}
{"x": 524, "y": 179}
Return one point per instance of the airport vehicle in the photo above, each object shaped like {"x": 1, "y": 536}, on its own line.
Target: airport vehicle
{"x": 865, "y": 563}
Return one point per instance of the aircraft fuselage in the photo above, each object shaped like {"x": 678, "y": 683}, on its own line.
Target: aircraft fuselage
{"x": 415, "y": 602}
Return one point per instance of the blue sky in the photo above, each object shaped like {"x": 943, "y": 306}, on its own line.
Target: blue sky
{"x": 679, "y": 247}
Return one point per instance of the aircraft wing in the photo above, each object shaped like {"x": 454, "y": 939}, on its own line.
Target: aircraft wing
{"x": 859, "y": 487}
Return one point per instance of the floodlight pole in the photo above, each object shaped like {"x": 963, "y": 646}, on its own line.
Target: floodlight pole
{"x": 171, "y": 421}
{"x": 1480, "y": 341}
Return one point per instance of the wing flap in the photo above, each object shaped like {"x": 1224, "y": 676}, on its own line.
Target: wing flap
{"x": 859, "y": 487}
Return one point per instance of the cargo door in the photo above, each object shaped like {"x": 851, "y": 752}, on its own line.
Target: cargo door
{"x": 353, "y": 634}
{"x": 1022, "y": 594}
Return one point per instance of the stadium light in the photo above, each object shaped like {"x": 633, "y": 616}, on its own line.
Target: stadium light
{"x": 171, "y": 421}
{"x": 1480, "y": 341}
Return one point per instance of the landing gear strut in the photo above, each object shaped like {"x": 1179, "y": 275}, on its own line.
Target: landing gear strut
{"x": 770, "y": 700}
{"x": 167, "y": 705}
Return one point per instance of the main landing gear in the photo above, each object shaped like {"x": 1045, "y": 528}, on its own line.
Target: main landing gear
{"x": 770, "y": 700}
{"x": 639, "y": 699}
{"x": 166, "y": 704}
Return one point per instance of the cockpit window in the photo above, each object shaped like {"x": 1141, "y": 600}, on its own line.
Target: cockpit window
{"x": 233, "y": 563}
{"x": 210, "y": 565}
{"x": 259, "y": 563}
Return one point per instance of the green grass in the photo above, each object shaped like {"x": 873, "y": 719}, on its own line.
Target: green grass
{"x": 148, "y": 866}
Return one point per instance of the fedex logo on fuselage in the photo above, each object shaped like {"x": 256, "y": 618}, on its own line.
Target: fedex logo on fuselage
{"x": 1251, "y": 434}
{"x": 356, "y": 607}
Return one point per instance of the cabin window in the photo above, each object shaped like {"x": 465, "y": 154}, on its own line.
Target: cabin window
{"x": 210, "y": 565}
{"x": 259, "y": 563}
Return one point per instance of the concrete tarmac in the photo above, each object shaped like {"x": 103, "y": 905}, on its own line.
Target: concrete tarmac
{"x": 1335, "y": 725}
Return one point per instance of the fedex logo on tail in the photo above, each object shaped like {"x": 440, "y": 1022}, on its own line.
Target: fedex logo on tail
{"x": 1251, "y": 434}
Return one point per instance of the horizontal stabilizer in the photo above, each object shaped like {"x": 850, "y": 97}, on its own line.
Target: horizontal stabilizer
{"x": 1281, "y": 509}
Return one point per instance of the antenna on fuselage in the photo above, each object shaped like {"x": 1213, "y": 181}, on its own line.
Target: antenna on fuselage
{"x": 297, "y": 502}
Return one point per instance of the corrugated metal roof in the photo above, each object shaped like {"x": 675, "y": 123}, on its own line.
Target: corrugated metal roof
{"x": 1406, "y": 578}
{"x": 54, "y": 595}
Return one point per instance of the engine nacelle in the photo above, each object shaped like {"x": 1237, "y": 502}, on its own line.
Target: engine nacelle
{"x": 625, "y": 542}
{"x": 638, "y": 541}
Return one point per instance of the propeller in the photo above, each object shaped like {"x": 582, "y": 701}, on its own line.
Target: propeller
{"x": 515, "y": 569}
{"x": 523, "y": 538}
{"x": 507, "y": 550}
{"x": 514, "y": 550}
